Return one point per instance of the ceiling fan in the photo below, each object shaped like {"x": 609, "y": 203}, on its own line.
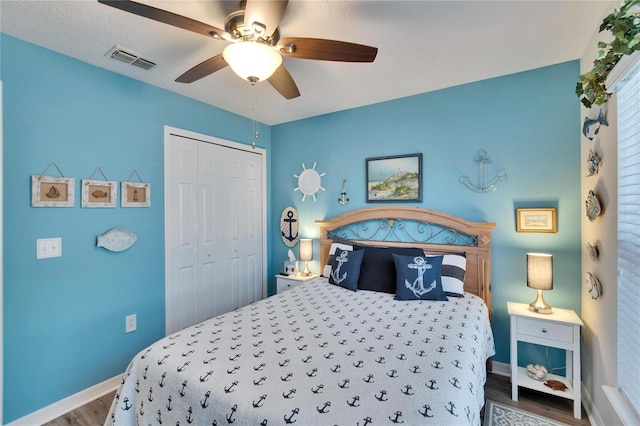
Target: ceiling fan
{"x": 256, "y": 49}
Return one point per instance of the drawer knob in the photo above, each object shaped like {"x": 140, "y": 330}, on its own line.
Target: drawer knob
{"x": 544, "y": 330}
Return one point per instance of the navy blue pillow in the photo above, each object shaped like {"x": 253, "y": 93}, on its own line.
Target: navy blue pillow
{"x": 419, "y": 278}
{"x": 378, "y": 270}
{"x": 345, "y": 269}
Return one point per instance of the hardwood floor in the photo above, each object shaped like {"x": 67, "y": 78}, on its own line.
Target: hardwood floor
{"x": 498, "y": 389}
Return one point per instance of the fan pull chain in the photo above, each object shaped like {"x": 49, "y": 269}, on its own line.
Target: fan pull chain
{"x": 256, "y": 133}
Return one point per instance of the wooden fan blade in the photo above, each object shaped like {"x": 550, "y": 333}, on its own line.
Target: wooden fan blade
{"x": 165, "y": 17}
{"x": 203, "y": 69}
{"x": 326, "y": 50}
{"x": 282, "y": 81}
{"x": 265, "y": 12}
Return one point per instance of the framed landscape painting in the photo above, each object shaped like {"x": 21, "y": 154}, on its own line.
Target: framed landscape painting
{"x": 541, "y": 220}
{"x": 394, "y": 178}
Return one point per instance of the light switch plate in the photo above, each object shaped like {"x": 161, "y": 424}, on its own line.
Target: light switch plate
{"x": 48, "y": 247}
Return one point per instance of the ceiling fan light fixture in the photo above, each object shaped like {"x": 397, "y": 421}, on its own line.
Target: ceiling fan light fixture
{"x": 251, "y": 60}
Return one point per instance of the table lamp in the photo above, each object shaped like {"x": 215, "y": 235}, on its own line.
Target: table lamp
{"x": 540, "y": 277}
{"x": 306, "y": 254}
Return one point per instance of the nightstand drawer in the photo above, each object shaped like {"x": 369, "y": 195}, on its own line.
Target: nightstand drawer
{"x": 545, "y": 330}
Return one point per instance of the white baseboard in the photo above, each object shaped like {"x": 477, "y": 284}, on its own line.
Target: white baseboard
{"x": 501, "y": 369}
{"x": 70, "y": 403}
{"x": 590, "y": 408}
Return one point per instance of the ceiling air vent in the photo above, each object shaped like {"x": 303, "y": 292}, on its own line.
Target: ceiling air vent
{"x": 130, "y": 58}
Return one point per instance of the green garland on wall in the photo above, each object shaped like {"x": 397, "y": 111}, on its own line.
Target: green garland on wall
{"x": 624, "y": 24}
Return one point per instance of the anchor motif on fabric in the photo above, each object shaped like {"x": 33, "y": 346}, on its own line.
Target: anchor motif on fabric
{"x": 229, "y": 389}
{"x": 259, "y": 402}
{"x": 342, "y": 258}
{"x": 427, "y": 410}
{"x": 366, "y": 420}
{"x": 150, "y": 396}
{"x": 230, "y": 418}
{"x": 432, "y": 385}
{"x": 289, "y": 395}
{"x": 206, "y": 376}
{"x": 190, "y": 415}
{"x": 396, "y": 419}
{"x": 290, "y": 220}
{"x": 126, "y": 405}
{"x": 450, "y": 407}
{"x": 418, "y": 286}
{"x": 354, "y": 401}
{"x": 406, "y": 389}
{"x": 318, "y": 389}
{"x": 205, "y": 402}
{"x": 169, "y": 407}
{"x": 289, "y": 420}
{"x": 183, "y": 388}
{"x": 324, "y": 409}
{"x": 161, "y": 381}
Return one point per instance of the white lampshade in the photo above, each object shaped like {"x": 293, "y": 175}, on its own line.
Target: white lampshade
{"x": 540, "y": 271}
{"x": 251, "y": 60}
{"x": 306, "y": 250}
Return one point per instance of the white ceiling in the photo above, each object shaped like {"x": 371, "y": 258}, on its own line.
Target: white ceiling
{"x": 423, "y": 46}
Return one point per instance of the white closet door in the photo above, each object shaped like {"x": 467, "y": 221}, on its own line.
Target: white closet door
{"x": 181, "y": 233}
{"x": 214, "y": 212}
{"x": 243, "y": 187}
{"x": 211, "y": 273}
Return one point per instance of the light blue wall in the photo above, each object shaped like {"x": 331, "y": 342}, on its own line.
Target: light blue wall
{"x": 64, "y": 317}
{"x": 527, "y": 122}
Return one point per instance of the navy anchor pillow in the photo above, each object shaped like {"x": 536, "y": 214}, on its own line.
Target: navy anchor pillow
{"x": 419, "y": 278}
{"x": 345, "y": 270}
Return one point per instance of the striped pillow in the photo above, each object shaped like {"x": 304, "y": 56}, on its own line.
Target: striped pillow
{"x": 454, "y": 268}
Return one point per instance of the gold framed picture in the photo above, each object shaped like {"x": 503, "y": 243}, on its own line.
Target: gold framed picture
{"x": 135, "y": 194}
{"x": 99, "y": 193}
{"x": 47, "y": 191}
{"x": 539, "y": 220}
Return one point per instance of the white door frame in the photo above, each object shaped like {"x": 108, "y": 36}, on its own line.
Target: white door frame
{"x": 1, "y": 267}
{"x": 168, "y": 130}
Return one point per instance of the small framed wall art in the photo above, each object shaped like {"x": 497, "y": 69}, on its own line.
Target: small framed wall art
{"x": 135, "y": 194}
{"x": 394, "y": 178}
{"x": 539, "y": 220}
{"x": 99, "y": 193}
{"x": 47, "y": 191}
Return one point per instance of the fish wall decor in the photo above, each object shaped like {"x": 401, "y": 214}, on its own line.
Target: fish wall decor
{"x": 117, "y": 239}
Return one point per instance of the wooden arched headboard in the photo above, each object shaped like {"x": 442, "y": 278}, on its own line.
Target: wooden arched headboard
{"x": 433, "y": 231}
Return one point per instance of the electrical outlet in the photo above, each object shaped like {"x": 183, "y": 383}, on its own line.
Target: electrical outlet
{"x": 48, "y": 247}
{"x": 130, "y": 323}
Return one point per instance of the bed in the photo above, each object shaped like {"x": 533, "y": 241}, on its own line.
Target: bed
{"x": 324, "y": 354}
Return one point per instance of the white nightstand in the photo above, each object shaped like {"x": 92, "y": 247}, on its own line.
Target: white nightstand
{"x": 288, "y": 281}
{"x": 559, "y": 329}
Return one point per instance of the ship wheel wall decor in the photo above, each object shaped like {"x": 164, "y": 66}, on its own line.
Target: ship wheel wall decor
{"x": 309, "y": 182}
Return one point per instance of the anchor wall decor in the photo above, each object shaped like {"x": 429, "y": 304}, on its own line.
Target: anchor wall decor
{"x": 289, "y": 225}
{"x": 482, "y": 160}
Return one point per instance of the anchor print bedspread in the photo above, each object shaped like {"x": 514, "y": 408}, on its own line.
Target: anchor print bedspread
{"x": 316, "y": 355}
